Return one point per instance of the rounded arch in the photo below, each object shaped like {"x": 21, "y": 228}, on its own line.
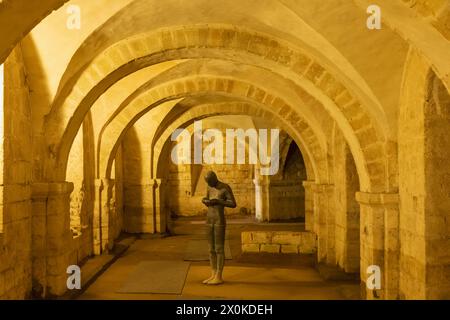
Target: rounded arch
{"x": 270, "y": 106}
{"x": 209, "y": 110}
{"x": 121, "y": 60}
{"x": 190, "y": 105}
{"x": 431, "y": 42}
{"x": 285, "y": 147}
{"x": 13, "y": 30}
{"x": 253, "y": 78}
{"x": 186, "y": 105}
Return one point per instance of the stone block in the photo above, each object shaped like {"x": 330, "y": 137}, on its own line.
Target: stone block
{"x": 270, "y": 248}
{"x": 250, "y": 248}
{"x": 308, "y": 243}
{"x": 261, "y": 237}
{"x": 314, "y": 72}
{"x": 289, "y": 248}
{"x": 289, "y": 238}
{"x": 246, "y": 237}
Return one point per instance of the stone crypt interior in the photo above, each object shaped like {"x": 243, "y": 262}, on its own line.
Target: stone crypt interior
{"x": 91, "y": 92}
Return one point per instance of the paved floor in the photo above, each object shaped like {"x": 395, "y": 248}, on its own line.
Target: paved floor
{"x": 247, "y": 276}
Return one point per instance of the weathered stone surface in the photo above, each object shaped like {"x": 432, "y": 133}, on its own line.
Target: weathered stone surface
{"x": 88, "y": 116}
{"x": 253, "y": 248}
{"x": 308, "y": 243}
{"x": 289, "y": 248}
{"x": 270, "y": 248}
{"x": 289, "y": 238}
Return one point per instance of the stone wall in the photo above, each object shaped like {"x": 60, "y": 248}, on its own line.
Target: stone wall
{"x": 188, "y": 188}
{"x": 424, "y": 184}
{"x": 286, "y": 242}
{"x": 425, "y": 189}
{"x": 286, "y": 193}
{"x": 287, "y": 200}
{"x": 15, "y": 189}
{"x": 437, "y": 188}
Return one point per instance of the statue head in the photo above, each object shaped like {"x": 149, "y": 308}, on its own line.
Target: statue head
{"x": 211, "y": 178}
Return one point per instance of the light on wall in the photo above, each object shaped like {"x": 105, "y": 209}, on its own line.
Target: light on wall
{"x": 2, "y": 100}
{"x": 1, "y": 90}
{"x": 2, "y": 104}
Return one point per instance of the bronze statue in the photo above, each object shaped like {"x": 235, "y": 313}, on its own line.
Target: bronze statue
{"x": 218, "y": 196}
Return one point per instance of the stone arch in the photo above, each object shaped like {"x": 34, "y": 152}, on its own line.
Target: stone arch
{"x": 12, "y": 33}
{"x": 225, "y": 87}
{"x": 172, "y": 43}
{"x": 437, "y": 12}
{"x": 15, "y": 178}
{"x": 205, "y": 111}
{"x": 429, "y": 38}
{"x": 206, "y": 70}
{"x": 285, "y": 146}
{"x": 162, "y": 146}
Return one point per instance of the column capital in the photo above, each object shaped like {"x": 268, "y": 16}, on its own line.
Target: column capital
{"x": 377, "y": 199}
{"x": 39, "y": 190}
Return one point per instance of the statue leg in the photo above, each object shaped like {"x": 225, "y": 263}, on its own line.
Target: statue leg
{"x": 219, "y": 239}
{"x": 212, "y": 252}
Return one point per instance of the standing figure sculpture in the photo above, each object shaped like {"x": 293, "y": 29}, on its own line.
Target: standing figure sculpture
{"x": 218, "y": 196}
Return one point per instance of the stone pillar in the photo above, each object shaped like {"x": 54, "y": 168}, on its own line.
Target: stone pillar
{"x": 39, "y": 196}
{"x": 103, "y": 234}
{"x": 324, "y": 222}
{"x": 380, "y": 241}
{"x": 160, "y": 210}
{"x": 309, "y": 205}
{"x": 58, "y": 238}
{"x": 262, "y": 198}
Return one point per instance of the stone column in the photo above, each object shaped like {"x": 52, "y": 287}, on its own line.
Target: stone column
{"x": 139, "y": 205}
{"x": 58, "y": 239}
{"x": 39, "y": 196}
{"x": 262, "y": 198}
{"x": 160, "y": 210}
{"x": 380, "y": 241}
{"x": 103, "y": 237}
{"x": 309, "y": 205}
{"x": 324, "y": 222}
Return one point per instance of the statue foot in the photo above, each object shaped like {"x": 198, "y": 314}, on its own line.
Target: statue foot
{"x": 215, "y": 281}
{"x": 209, "y": 279}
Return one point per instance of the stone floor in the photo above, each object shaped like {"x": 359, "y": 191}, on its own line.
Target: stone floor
{"x": 248, "y": 276}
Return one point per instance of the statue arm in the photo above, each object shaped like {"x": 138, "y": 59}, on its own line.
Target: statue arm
{"x": 230, "y": 201}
